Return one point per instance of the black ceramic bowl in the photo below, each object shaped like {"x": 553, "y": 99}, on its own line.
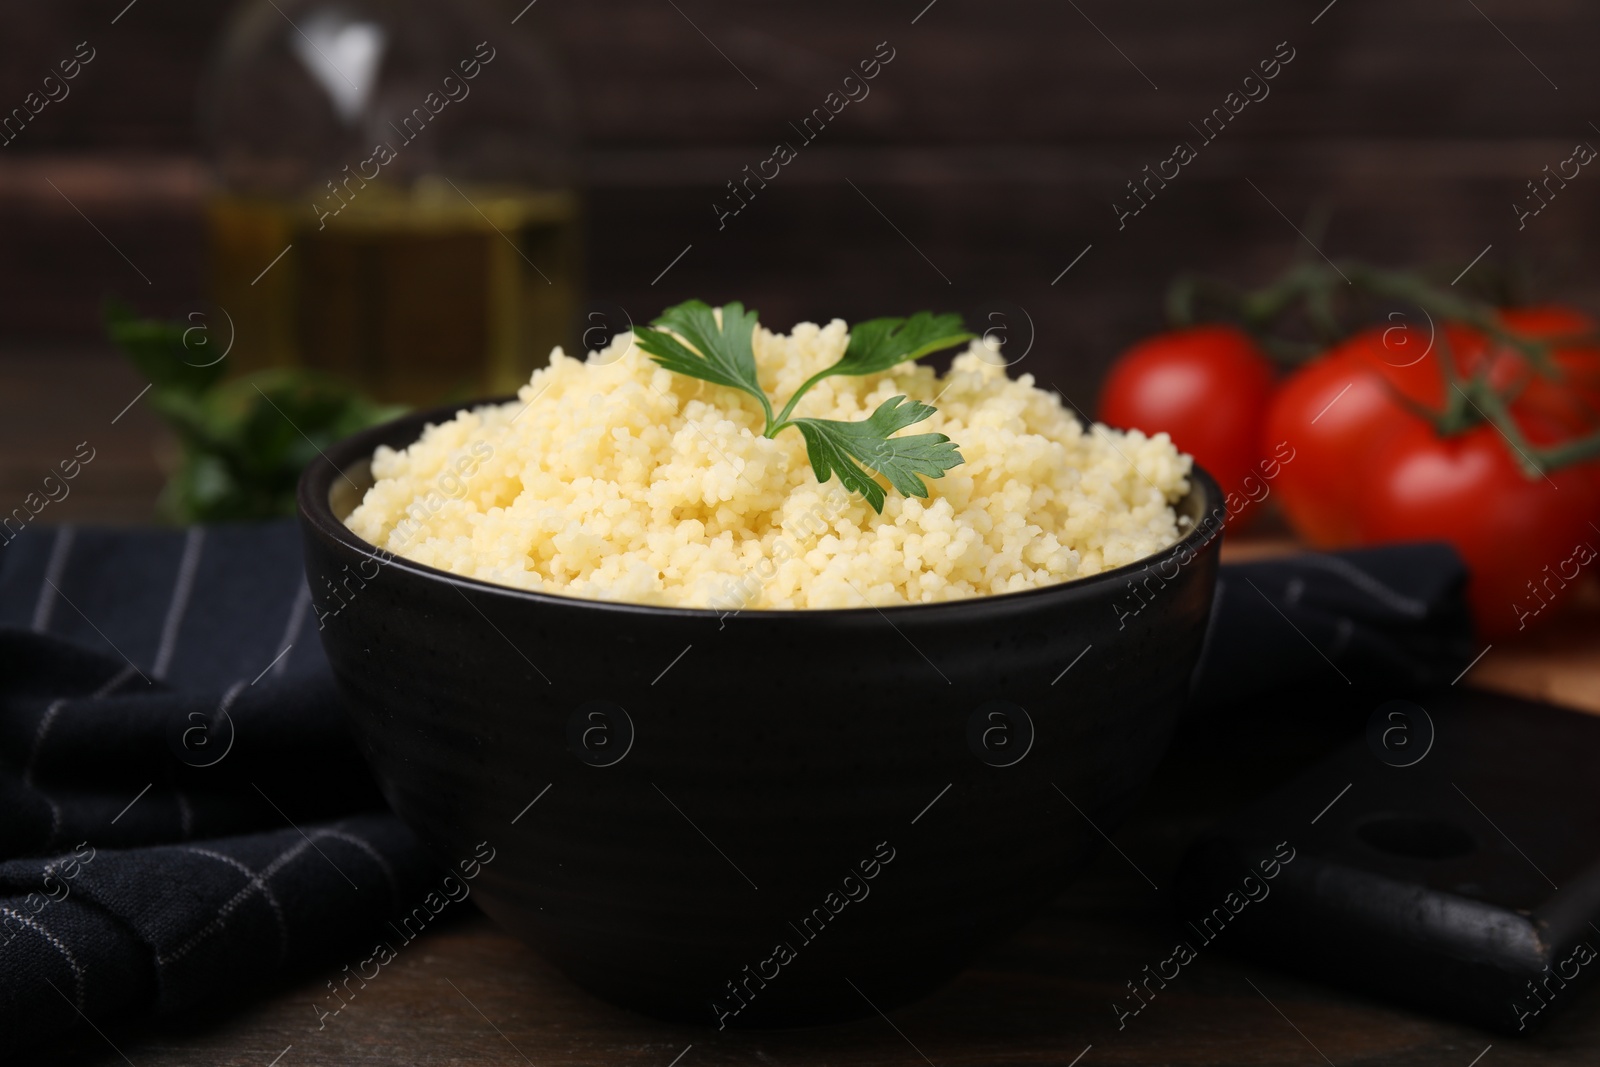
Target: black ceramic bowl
{"x": 767, "y": 819}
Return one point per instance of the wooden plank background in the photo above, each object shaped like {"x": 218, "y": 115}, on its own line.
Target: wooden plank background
{"x": 995, "y": 142}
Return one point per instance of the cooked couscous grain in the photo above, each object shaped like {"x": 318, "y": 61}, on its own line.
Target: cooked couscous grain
{"x": 615, "y": 479}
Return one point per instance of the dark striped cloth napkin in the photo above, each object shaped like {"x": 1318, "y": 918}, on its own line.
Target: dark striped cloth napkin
{"x": 175, "y": 766}
{"x": 183, "y": 816}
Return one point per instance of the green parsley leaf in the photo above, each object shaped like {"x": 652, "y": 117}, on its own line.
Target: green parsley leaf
{"x": 838, "y": 446}
{"x": 721, "y": 354}
{"x": 879, "y": 344}
{"x": 698, "y": 346}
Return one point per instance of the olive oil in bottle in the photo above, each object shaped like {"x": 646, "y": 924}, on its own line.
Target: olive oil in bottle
{"x": 394, "y": 194}
{"x": 423, "y": 296}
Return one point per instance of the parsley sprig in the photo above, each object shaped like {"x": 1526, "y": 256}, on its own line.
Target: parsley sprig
{"x": 691, "y": 340}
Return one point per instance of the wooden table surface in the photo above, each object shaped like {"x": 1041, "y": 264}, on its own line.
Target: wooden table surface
{"x": 468, "y": 994}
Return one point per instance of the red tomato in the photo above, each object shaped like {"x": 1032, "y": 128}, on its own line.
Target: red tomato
{"x": 1573, "y": 400}
{"x": 1325, "y": 412}
{"x": 1207, "y": 387}
{"x": 1367, "y": 467}
{"x": 1525, "y": 540}
{"x": 1333, "y": 409}
{"x": 1552, "y": 409}
{"x": 1408, "y": 357}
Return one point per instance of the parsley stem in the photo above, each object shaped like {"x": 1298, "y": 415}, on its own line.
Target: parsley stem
{"x": 774, "y": 425}
{"x": 766, "y": 406}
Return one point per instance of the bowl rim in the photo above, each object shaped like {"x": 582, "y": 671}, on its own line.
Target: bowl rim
{"x": 315, "y": 508}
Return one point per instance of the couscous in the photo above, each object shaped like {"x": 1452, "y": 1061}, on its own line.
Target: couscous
{"x": 613, "y": 478}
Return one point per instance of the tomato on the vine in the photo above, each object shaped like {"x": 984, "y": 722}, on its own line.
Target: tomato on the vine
{"x": 1370, "y": 465}
{"x": 1554, "y": 408}
{"x": 1333, "y": 408}
{"x": 1573, "y": 400}
{"x": 1458, "y": 422}
{"x": 1208, "y": 387}
{"x": 1524, "y": 539}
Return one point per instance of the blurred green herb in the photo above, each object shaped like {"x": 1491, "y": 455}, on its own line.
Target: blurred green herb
{"x": 244, "y": 441}
{"x": 721, "y": 352}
